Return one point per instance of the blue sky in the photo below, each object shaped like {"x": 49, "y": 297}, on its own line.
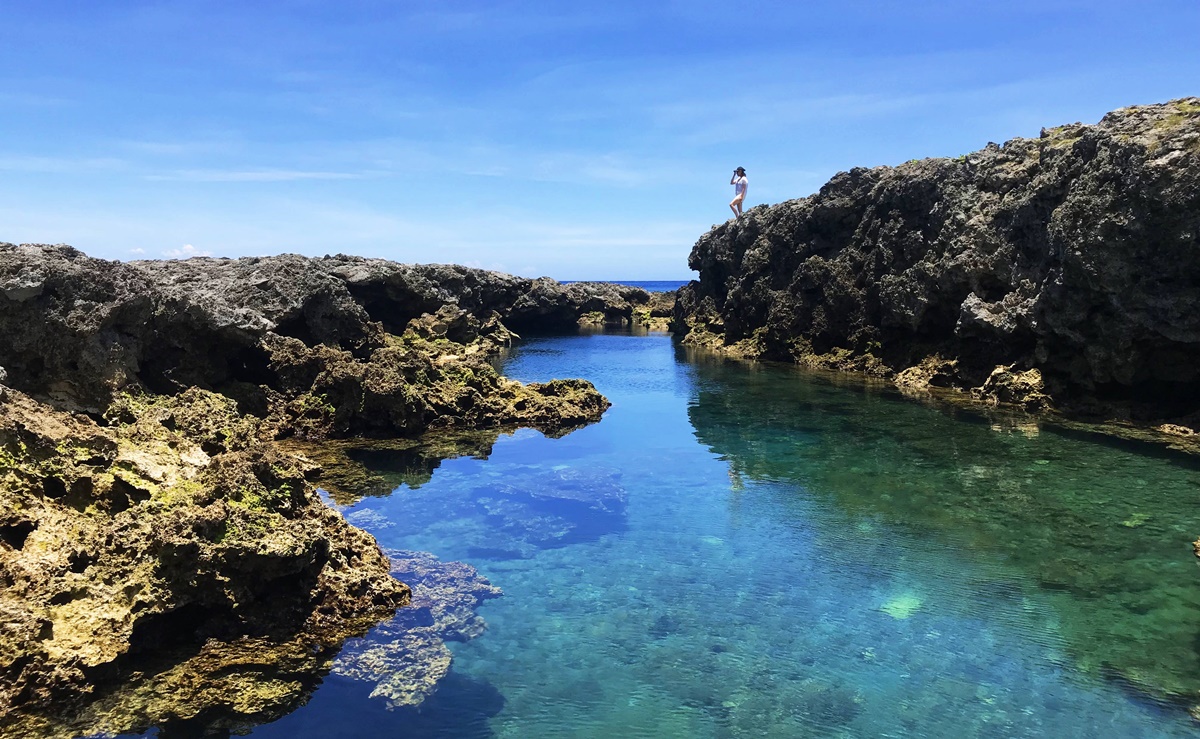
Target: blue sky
{"x": 579, "y": 140}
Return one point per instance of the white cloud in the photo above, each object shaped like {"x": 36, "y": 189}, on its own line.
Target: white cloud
{"x": 185, "y": 252}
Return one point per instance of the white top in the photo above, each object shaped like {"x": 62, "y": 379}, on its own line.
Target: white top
{"x": 739, "y": 185}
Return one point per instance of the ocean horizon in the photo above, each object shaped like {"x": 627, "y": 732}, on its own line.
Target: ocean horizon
{"x": 654, "y": 286}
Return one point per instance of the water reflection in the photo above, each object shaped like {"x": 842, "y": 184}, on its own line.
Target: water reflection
{"x": 1097, "y": 529}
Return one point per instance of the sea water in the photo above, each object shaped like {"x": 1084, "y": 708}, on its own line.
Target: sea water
{"x": 792, "y": 558}
{"x": 654, "y": 286}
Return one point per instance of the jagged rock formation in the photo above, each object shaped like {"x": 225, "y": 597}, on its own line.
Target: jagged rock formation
{"x": 1058, "y": 271}
{"x": 163, "y": 557}
{"x": 77, "y": 330}
{"x": 656, "y": 314}
{"x": 125, "y": 545}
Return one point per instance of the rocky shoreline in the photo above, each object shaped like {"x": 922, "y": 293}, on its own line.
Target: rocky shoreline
{"x": 164, "y": 554}
{"x": 166, "y": 559}
{"x": 1056, "y": 273}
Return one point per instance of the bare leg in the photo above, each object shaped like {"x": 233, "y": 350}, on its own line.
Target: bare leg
{"x": 733, "y": 206}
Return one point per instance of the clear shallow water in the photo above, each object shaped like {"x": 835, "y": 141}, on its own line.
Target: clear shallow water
{"x": 796, "y": 559}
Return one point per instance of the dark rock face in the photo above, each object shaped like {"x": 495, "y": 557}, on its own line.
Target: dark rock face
{"x": 77, "y": 330}
{"x": 1060, "y": 270}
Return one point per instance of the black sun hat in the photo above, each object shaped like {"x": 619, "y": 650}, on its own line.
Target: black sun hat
{"x": 740, "y": 169}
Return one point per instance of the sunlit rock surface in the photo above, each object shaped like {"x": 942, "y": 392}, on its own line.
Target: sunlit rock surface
{"x": 154, "y": 573}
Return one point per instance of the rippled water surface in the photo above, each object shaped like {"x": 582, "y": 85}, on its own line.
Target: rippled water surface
{"x": 739, "y": 551}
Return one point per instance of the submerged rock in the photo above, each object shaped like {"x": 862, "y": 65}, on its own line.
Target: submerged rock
{"x": 407, "y": 657}
{"x": 555, "y": 508}
{"x": 1058, "y": 271}
{"x": 1091, "y": 541}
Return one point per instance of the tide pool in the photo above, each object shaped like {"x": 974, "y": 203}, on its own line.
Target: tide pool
{"x": 750, "y": 551}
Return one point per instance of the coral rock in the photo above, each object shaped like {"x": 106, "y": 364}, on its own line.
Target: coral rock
{"x": 1073, "y": 255}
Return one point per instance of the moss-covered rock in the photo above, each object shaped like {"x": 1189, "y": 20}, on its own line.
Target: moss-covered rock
{"x": 122, "y": 545}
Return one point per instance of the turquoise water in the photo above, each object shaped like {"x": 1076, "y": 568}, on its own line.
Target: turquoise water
{"x": 768, "y": 555}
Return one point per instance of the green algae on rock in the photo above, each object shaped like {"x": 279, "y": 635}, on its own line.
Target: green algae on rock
{"x": 657, "y": 314}
{"x": 125, "y": 544}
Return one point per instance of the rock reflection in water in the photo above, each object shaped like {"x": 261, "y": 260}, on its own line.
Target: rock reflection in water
{"x": 557, "y": 507}
{"x": 350, "y": 470}
{"x": 516, "y": 510}
{"x": 1104, "y": 537}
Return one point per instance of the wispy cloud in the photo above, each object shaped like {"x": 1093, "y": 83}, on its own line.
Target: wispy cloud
{"x": 206, "y": 147}
{"x": 32, "y": 100}
{"x": 262, "y": 175}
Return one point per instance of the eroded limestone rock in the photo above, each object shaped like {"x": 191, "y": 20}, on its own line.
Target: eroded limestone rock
{"x": 125, "y": 548}
{"x": 1073, "y": 255}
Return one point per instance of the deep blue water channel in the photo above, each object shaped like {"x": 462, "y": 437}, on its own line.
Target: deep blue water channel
{"x": 796, "y": 559}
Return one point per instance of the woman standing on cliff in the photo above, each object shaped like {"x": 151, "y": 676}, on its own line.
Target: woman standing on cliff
{"x": 739, "y": 183}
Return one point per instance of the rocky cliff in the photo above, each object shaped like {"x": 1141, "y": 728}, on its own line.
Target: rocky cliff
{"x": 77, "y": 331}
{"x": 1061, "y": 271}
{"x": 163, "y": 554}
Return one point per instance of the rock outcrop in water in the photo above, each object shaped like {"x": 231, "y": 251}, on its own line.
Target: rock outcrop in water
{"x": 1058, "y": 272}
{"x": 163, "y": 556}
